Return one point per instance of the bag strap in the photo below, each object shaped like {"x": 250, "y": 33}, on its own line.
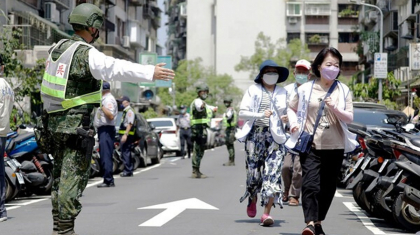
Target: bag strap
{"x": 321, "y": 108}
{"x": 277, "y": 112}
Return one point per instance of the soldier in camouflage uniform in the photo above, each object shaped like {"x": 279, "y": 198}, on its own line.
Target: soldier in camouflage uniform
{"x": 70, "y": 91}
{"x": 201, "y": 114}
{"x": 230, "y": 120}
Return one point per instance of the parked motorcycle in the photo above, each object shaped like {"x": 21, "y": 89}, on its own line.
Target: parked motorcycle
{"x": 13, "y": 179}
{"x": 35, "y": 167}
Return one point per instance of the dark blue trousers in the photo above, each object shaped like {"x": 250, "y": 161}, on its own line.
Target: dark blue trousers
{"x": 126, "y": 154}
{"x": 3, "y": 212}
{"x": 106, "y": 148}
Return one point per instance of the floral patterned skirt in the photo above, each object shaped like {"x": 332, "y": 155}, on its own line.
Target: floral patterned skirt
{"x": 263, "y": 166}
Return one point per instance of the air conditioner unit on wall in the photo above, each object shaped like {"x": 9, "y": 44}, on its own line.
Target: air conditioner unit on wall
{"x": 292, "y": 20}
{"x": 126, "y": 41}
{"x": 183, "y": 9}
{"x": 51, "y": 12}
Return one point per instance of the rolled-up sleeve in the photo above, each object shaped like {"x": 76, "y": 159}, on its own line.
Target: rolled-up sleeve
{"x": 107, "y": 68}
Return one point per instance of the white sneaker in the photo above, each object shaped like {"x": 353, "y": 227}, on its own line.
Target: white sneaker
{"x": 2, "y": 219}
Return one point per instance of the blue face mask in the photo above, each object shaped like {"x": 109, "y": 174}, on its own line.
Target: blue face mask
{"x": 301, "y": 78}
{"x": 122, "y": 106}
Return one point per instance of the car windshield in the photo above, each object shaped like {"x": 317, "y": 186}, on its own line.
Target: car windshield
{"x": 162, "y": 123}
{"x": 376, "y": 118}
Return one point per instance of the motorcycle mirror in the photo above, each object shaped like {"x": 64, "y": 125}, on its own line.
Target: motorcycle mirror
{"x": 22, "y": 126}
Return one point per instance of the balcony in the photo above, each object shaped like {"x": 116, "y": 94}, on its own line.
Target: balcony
{"x": 60, "y": 4}
{"x": 317, "y": 39}
{"x": 148, "y": 12}
{"x": 137, "y": 3}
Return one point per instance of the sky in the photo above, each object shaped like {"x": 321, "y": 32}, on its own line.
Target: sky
{"x": 161, "y": 33}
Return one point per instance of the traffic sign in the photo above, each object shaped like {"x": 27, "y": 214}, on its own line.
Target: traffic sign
{"x": 148, "y": 58}
{"x": 381, "y": 65}
{"x": 168, "y": 64}
{"x": 414, "y": 56}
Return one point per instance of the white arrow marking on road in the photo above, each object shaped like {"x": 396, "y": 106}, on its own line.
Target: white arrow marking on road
{"x": 173, "y": 209}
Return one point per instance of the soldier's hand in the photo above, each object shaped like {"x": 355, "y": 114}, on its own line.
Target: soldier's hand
{"x": 162, "y": 73}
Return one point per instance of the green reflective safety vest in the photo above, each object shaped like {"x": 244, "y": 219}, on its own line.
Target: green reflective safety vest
{"x": 233, "y": 121}
{"x": 122, "y": 127}
{"x": 55, "y": 79}
{"x": 200, "y": 117}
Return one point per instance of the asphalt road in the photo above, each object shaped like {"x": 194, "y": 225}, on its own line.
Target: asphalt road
{"x": 163, "y": 199}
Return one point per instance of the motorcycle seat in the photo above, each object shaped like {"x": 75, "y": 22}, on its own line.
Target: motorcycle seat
{"x": 23, "y": 137}
{"x": 415, "y": 141}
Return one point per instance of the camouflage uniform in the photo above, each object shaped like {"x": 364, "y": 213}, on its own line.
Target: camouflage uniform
{"x": 230, "y": 125}
{"x": 57, "y": 135}
{"x": 200, "y": 121}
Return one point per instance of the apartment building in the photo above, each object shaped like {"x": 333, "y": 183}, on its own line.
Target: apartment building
{"x": 323, "y": 23}
{"x": 220, "y": 31}
{"x": 130, "y": 28}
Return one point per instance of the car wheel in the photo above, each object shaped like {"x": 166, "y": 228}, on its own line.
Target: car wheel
{"x": 143, "y": 157}
{"x": 156, "y": 160}
{"x": 136, "y": 161}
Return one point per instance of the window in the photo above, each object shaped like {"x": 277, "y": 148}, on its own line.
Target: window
{"x": 317, "y": 9}
{"x": 348, "y": 37}
{"x": 294, "y": 9}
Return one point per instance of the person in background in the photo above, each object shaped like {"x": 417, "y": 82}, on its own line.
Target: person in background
{"x": 264, "y": 136}
{"x": 332, "y": 139}
{"x": 6, "y": 106}
{"x": 292, "y": 170}
{"x": 1, "y": 65}
{"x": 230, "y": 121}
{"x": 184, "y": 129}
{"x": 105, "y": 123}
{"x": 126, "y": 132}
{"x": 71, "y": 91}
{"x": 201, "y": 114}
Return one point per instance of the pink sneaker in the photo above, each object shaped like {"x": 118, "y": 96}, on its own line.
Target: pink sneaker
{"x": 266, "y": 220}
{"x": 251, "y": 209}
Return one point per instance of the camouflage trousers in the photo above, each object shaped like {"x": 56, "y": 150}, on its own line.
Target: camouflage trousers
{"x": 71, "y": 174}
{"x": 198, "y": 153}
{"x": 263, "y": 166}
{"x": 229, "y": 141}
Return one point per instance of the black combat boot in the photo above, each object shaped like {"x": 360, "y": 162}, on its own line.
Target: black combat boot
{"x": 195, "y": 173}
{"x": 55, "y": 225}
{"x": 66, "y": 227}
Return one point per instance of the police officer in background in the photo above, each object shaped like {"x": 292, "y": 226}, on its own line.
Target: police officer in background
{"x": 126, "y": 132}
{"x": 201, "y": 117}
{"x": 184, "y": 129}
{"x": 70, "y": 91}
{"x": 230, "y": 120}
{"x": 105, "y": 124}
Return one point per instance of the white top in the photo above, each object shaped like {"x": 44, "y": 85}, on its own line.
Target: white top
{"x": 107, "y": 68}
{"x": 109, "y": 102}
{"x": 129, "y": 117}
{"x": 250, "y": 105}
{"x": 7, "y": 97}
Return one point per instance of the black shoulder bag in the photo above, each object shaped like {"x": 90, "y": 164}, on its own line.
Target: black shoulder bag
{"x": 305, "y": 140}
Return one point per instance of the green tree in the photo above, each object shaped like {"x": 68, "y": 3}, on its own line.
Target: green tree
{"x": 266, "y": 49}
{"x": 24, "y": 81}
{"x": 369, "y": 91}
{"x": 190, "y": 73}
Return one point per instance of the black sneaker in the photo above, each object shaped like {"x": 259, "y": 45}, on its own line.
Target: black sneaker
{"x": 318, "y": 229}
{"x": 104, "y": 185}
{"x": 126, "y": 174}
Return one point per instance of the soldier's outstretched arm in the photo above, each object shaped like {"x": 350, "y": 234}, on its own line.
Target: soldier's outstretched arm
{"x": 108, "y": 68}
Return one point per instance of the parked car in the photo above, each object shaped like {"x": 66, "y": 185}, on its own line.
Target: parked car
{"x": 150, "y": 147}
{"x": 169, "y": 137}
{"x": 368, "y": 105}
{"x": 374, "y": 118}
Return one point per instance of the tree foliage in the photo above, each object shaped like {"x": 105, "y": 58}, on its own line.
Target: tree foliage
{"x": 24, "y": 81}
{"x": 277, "y": 51}
{"x": 189, "y": 74}
{"x": 369, "y": 91}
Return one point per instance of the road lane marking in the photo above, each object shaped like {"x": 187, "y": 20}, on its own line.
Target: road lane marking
{"x": 364, "y": 218}
{"x": 173, "y": 209}
{"x": 15, "y": 204}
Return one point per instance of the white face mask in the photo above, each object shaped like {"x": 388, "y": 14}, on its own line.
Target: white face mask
{"x": 271, "y": 78}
